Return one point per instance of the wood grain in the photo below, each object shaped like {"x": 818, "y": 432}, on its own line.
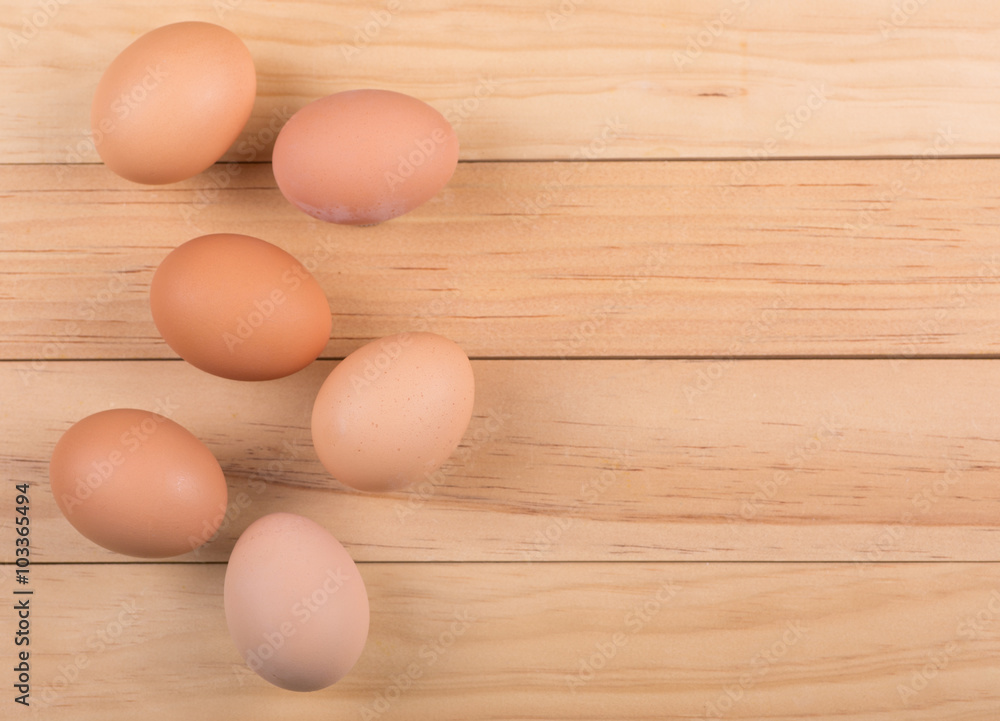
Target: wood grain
{"x": 764, "y": 350}
{"x": 549, "y": 259}
{"x": 530, "y": 641}
{"x": 532, "y": 79}
{"x": 583, "y": 460}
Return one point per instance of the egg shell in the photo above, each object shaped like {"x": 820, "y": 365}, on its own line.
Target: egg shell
{"x": 364, "y": 156}
{"x": 173, "y": 102}
{"x": 296, "y": 605}
{"x": 239, "y": 307}
{"x": 393, "y": 411}
{"x": 137, "y": 483}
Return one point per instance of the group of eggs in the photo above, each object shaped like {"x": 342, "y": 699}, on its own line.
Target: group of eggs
{"x": 392, "y": 412}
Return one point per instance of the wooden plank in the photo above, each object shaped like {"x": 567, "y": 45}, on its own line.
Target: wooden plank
{"x": 531, "y": 79}
{"x": 582, "y": 460}
{"x": 550, "y": 259}
{"x": 555, "y": 641}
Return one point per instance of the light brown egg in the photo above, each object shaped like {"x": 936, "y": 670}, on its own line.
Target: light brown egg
{"x": 393, "y": 411}
{"x": 173, "y": 102}
{"x": 296, "y": 606}
{"x": 137, "y": 483}
{"x": 363, "y": 156}
{"x": 239, "y": 307}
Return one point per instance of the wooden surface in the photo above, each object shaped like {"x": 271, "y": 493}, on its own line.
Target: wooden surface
{"x": 574, "y": 460}
{"x": 841, "y": 258}
{"x": 582, "y": 641}
{"x": 530, "y": 79}
{"x": 735, "y": 444}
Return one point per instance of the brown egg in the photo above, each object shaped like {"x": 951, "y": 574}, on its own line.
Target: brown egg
{"x": 393, "y": 411}
{"x": 138, "y": 483}
{"x": 296, "y": 606}
{"x": 173, "y": 102}
{"x": 239, "y": 307}
{"x": 364, "y": 156}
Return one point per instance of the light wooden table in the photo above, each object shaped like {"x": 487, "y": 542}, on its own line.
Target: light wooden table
{"x": 729, "y": 272}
